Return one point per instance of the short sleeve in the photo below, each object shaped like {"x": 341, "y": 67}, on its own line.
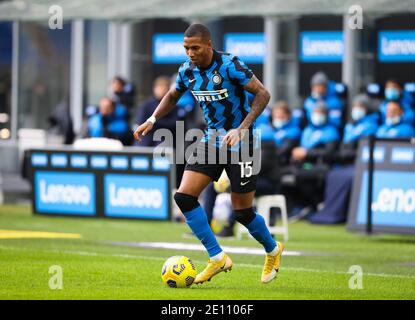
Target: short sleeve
{"x": 180, "y": 86}
{"x": 239, "y": 71}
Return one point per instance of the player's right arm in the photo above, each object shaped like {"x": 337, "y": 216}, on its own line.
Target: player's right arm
{"x": 165, "y": 106}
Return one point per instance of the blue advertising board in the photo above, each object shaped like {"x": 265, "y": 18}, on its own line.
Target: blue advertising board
{"x": 168, "y": 48}
{"x": 63, "y": 192}
{"x": 393, "y": 193}
{"x": 136, "y": 196}
{"x": 321, "y": 46}
{"x": 133, "y": 183}
{"x": 393, "y": 199}
{"x": 249, "y": 47}
{"x": 396, "y": 46}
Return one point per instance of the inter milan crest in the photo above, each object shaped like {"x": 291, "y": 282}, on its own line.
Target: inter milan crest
{"x": 216, "y": 78}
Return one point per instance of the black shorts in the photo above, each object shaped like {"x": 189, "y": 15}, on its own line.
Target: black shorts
{"x": 242, "y": 174}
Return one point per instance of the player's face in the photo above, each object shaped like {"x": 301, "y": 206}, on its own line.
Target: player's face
{"x": 198, "y": 50}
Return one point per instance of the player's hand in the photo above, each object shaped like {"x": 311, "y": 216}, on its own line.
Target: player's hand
{"x": 233, "y": 137}
{"x": 142, "y": 130}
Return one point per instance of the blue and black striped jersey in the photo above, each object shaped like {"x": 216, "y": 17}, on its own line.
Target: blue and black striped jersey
{"x": 218, "y": 89}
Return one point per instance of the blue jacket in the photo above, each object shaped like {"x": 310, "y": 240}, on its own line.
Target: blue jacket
{"x": 267, "y": 131}
{"x": 362, "y": 128}
{"x": 400, "y": 130}
{"x": 289, "y": 131}
{"x": 116, "y": 124}
{"x": 313, "y": 137}
{"x": 408, "y": 113}
{"x": 334, "y": 105}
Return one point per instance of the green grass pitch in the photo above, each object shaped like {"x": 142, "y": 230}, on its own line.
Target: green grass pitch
{"x": 93, "y": 268}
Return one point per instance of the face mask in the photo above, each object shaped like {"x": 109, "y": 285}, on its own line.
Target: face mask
{"x": 278, "y": 123}
{"x": 358, "y": 113}
{"x": 318, "y": 119}
{"x": 316, "y": 95}
{"x": 392, "y": 94}
{"x": 392, "y": 121}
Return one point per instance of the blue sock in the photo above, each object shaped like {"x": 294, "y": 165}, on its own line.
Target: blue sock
{"x": 258, "y": 229}
{"x": 197, "y": 221}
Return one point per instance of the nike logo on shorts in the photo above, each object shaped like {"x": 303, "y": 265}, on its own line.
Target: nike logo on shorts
{"x": 244, "y": 183}
{"x": 191, "y": 80}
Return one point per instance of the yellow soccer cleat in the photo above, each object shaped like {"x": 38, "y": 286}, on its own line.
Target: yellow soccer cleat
{"x": 272, "y": 265}
{"x": 213, "y": 268}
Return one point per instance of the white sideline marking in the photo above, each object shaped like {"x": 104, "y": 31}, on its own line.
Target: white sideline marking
{"x": 245, "y": 265}
{"x": 198, "y": 247}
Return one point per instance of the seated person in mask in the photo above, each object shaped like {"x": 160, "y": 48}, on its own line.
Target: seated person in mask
{"x": 110, "y": 122}
{"x": 319, "y": 141}
{"x": 394, "y": 92}
{"x": 339, "y": 180}
{"x": 320, "y": 93}
{"x": 286, "y": 134}
{"x": 363, "y": 124}
{"x": 278, "y": 138}
{"x": 395, "y": 126}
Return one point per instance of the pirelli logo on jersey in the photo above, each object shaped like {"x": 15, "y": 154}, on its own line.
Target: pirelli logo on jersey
{"x": 214, "y": 95}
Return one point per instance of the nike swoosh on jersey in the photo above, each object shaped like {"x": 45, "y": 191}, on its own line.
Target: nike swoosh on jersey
{"x": 244, "y": 183}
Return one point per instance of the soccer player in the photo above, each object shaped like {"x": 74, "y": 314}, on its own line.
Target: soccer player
{"x": 220, "y": 82}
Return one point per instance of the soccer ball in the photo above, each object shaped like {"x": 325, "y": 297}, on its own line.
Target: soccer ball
{"x": 178, "y": 272}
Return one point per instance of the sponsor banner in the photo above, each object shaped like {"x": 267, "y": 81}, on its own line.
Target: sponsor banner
{"x": 99, "y": 162}
{"x": 59, "y": 160}
{"x": 214, "y": 95}
{"x": 136, "y": 196}
{"x": 168, "y": 48}
{"x": 393, "y": 201}
{"x": 140, "y": 163}
{"x": 378, "y": 154}
{"x": 119, "y": 162}
{"x": 39, "y": 159}
{"x": 321, "y": 46}
{"x": 396, "y": 46}
{"x": 161, "y": 164}
{"x": 67, "y": 193}
{"x": 249, "y": 47}
{"x": 79, "y": 161}
{"x": 402, "y": 155}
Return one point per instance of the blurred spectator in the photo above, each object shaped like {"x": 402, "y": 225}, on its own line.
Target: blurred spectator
{"x": 394, "y": 92}
{"x": 364, "y": 123}
{"x": 321, "y": 91}
{"x": 319, "y": 139}
{"x": 160, "y": 87}
{"x": 122, "y": 92}
{"x": 395, "y": 126}
{"x": 61, "y": 122}
{"x": 110, "y": 122}
{"x": 311, "y": 159}
{"x": 287, "y": 135}
{"x": 339, "y": 180}
{"x": 186, "y": 105}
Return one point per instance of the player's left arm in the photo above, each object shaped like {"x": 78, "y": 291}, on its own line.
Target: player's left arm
{"x": 261, "y": 99}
